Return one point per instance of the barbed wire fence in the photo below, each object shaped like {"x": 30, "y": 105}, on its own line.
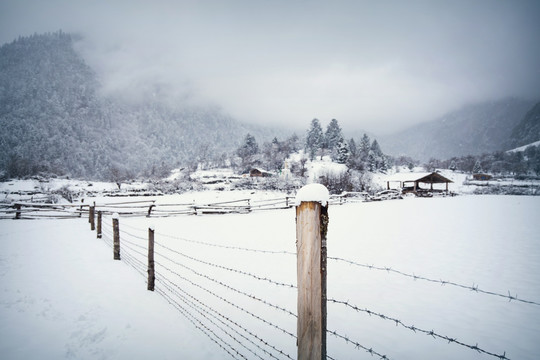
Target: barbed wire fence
{"x": 187, "y": 281}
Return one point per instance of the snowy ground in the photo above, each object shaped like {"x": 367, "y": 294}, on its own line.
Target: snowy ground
{"x": 62, "y": 295}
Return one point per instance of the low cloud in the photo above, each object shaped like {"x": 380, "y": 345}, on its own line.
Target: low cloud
{"x": 373, "y": 66}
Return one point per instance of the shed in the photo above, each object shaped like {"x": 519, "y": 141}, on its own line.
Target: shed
{"x": 482, "y": 177}
{"x": 411, "y": 183}
{"x": 255, "y": 172}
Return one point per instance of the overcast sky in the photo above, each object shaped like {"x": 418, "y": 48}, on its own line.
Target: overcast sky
{"x": 373, "y": 65}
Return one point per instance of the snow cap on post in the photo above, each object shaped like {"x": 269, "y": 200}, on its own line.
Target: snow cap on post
{"x": 115, "y": 216}
{"x": 313, "y": 192}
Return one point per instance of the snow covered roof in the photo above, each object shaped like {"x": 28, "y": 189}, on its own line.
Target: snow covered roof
{"x": 425, "y": 177}
{"x": 407, "y": 176}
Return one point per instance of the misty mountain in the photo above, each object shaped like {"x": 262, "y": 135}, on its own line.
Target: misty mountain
{"x": 54, "y": 119}
{"x": 475, "y": 129}
{"x": 528, "y": 130}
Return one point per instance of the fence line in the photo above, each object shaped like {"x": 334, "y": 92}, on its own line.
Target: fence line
{"x": 206, "y": 316}
{"x": 357, "y": 345}
{"x": 130, "y": 245}
{"x": 226, "y": 246}
{"x": 257, "y": 277}
{"x": 225, "y": 318}
{"x": 203, "y": 328}
{"x": 267, "y": 322}
{"x": 432, "y": 333}
{"x": 218, "y": 282}
{"x": 474, "y": 287}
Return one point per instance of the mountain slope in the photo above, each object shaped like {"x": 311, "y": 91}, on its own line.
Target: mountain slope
{"x": 528, "y": 130}
{"x": 54, "y": 119}
{"x": 472, "y": 130}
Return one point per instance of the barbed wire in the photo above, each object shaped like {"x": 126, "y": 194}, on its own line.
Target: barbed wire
{"x": 415, "y": 329}
{"x": 131, "y": 261}
{"x": 206, "y": 315}
{"x": 201, "y": 307}
{"x": 134, "y": 227}
{"x": 225, "y": 246}
{"x": 413, "y": 276}
{"x": 203, "y": 328}
{"x": 106, "y": 235}
{"x": 145, "y": 239}
{"x": 135, "y": 263}
{"x": 245, "y": 273}
{"x": 357, "y": 345}
{"x": 228, "y": 302}
{"x": 253, "y": 297}
{"x": 124, "y": 241}
{"x": 230, "y": 320}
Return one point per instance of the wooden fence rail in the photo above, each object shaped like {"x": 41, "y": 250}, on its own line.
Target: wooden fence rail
{"x": 149, "y": 208}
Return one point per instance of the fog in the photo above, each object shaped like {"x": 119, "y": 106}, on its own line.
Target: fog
{"x": 373, "y": 65}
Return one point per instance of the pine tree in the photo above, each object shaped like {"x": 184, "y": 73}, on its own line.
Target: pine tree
{"x": 247, "y": 151}
{"x": 315, "y": 138}
{"x": 352, "y": 148}
{"x": 365, "y": 146}
{"x": 371, "y": 162}
{"x": 333, "y": 135}
{"x": 376, "y": 148}
{"x": 342, "y": 151}
{"x": 477, "y": 167}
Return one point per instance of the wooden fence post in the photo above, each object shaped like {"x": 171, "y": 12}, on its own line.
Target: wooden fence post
{"x": 98, "y": 234}
{"x": 311, "y": 228}
{"x": 151, "y": 273}
{"x": 116, "y": 237}
{"x": 91, "y": 216}
{"x": 18, "y": 211}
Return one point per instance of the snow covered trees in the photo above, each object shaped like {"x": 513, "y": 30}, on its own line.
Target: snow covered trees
{"x": 247, "y": 151}
{"x": 314, "y": 139}
{"x": 330, "y": 142}
{"x": 368, "y": 156}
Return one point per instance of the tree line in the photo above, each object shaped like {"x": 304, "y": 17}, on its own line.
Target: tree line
{"x": 366, "y": 156}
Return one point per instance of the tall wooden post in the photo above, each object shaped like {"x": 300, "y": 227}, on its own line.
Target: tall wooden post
{"x": 151, "y": 273}
{"x": 116, "y": 238}
{"x": 98, "y": 233}
{"x": 311, "y": 228}
{"x": 91, "y": 216}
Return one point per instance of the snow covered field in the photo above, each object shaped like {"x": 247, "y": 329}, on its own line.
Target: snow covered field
{"x": 62, "y": 295}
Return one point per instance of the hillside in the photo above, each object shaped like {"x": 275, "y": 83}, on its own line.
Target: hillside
{"x": 472, "y": 130}
{"x": 528, "y": 130}
{"x": 55, "y": 120}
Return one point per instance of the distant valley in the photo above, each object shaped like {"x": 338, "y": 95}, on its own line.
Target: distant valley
{"x": 55, "y": 120}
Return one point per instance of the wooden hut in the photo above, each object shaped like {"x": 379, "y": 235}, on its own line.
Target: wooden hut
{"x": 412, "y": 183}
{"x": 255, "y": 172}
{"x": 482, "y": 177}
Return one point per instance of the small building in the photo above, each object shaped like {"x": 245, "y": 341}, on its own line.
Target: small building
{"x": 411, "y": 183}
{"x": 482, "y": 177}
{"x": 255, "y": 172}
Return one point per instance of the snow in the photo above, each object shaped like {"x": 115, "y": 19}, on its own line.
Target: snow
{"x": 322, "y": 167}
{"x": 524, "y": 147}
{"x": 64, "y": 297}
{"x": 313, "y": 192}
